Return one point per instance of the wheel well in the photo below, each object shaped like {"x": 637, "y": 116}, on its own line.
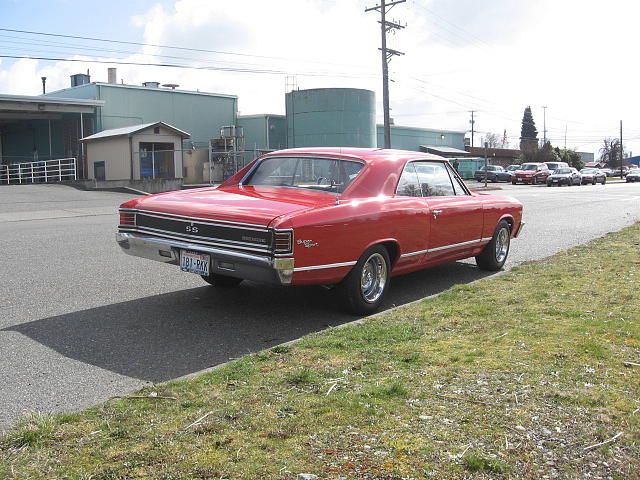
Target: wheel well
{"x": 509, "y": 220}
{"x": 392, "y": 250}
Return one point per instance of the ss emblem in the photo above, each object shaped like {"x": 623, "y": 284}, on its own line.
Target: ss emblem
{"x": 192, "y": 229}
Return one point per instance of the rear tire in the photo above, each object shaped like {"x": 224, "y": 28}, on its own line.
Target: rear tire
{"x": 364, "y": 288}
{"x": 496, "y": 251}
{"x": 221, "y": 281}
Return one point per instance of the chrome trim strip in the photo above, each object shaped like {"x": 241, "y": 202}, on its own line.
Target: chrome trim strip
{"x": 208, "y": 221}
{"x": 214, "y": 244}
{"x": 445, "y": 247}
{"x": 319, "y": 267}
{"x": 461, "y": 244}
{"x": 413, "y": 254}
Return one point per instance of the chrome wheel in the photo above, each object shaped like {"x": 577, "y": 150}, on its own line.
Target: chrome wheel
{"x": 373, "y": 278}
{"x": 502, "y": 245}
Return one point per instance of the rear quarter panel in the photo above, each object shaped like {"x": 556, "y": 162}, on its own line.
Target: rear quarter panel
{"x": 341, "y": 233}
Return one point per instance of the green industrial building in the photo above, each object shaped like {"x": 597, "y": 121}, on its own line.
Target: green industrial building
{"x": 52, "y": 125}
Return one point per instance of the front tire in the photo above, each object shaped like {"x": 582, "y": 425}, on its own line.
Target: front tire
{"x": 495, "y": 253}
{"x": 363, "y": 289}
{"x": 221, "y": 281}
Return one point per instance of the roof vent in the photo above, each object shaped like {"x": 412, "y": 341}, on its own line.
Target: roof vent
{"x": 151, "y": 84}
{"x": 172, "y": 86}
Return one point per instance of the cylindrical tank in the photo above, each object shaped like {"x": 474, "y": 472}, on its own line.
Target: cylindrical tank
{"x": 331, "y": 117}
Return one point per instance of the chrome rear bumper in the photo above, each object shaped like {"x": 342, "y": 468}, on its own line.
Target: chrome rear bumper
{"x": 249, "y": 266}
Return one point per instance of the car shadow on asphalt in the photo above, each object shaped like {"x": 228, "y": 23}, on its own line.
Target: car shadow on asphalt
{"x": 163, "y": 337}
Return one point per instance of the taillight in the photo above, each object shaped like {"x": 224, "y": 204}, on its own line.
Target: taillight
{"x": 283, "y": 242}
{"x": 127, "y": 218}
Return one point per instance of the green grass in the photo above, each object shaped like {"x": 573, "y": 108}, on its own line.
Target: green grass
{"x": 511, "y": 377}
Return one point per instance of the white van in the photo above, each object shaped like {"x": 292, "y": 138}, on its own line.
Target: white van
{"x": 555, "y": 165}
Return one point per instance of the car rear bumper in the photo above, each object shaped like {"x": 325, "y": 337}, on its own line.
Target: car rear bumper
{"x": 249, "y": 266}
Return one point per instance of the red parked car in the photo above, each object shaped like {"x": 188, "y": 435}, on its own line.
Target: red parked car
{"x": 347, "y": 217}
{"x": 532, "y": 173}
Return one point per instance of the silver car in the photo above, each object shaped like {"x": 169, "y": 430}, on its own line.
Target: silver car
{"x": 564, "y": 176}
{"x": 593, "y": 176}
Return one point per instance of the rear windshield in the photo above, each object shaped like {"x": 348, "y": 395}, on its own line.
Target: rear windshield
{"x": 529, "y": 166}
{"x": 562, "y": 170}
{"x": 324, "y": 174}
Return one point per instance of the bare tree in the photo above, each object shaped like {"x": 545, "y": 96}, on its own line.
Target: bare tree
{"x": 493, "y": 140}
{"x": 610, "y": 152}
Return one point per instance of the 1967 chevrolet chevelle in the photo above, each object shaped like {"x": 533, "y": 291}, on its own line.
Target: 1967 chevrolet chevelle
{"x": 347, "y": 217}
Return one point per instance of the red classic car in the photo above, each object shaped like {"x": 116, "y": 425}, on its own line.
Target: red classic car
{"x": 347, "y": 217}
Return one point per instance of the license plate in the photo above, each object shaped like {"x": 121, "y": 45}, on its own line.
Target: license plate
{"x": 194, "y": 262}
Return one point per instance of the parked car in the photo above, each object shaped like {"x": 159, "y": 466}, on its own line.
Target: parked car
{"x": 620, "y": 171}
{"x": 556, "y": 165}
{"x": 567, "y": 176}
{"x": 531, "y": 173}
{"x": 633, "y": 175}
{"x": 491, "y": 173}
{"x": 608, "y": 172}
{"x": 346, "y": 217}
{"x": 593, "y": 176}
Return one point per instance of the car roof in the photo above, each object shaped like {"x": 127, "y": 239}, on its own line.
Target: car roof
{"x": 368, "y": 155}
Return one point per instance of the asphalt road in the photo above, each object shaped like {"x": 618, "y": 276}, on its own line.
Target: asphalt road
{"x": 81, "y": 322}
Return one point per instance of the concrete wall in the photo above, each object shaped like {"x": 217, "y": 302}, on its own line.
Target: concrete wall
{"x": 409, "y": 138}
{"x": 115, "y": 154}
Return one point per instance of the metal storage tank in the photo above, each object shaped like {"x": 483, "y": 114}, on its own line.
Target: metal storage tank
{"x": 331, "y": 117}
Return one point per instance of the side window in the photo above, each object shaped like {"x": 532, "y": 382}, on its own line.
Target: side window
{"x": 408, "y": 184}
{"x": 457, "y": 184}
{"x": 434, "y": 179}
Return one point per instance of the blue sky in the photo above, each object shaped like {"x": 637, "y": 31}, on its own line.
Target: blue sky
{"x": 495, "y": 57}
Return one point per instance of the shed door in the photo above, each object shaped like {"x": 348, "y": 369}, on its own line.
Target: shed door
{"x": 157, "y": 160}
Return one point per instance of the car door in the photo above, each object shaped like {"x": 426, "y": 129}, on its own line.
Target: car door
{"x": 456, "y": 215}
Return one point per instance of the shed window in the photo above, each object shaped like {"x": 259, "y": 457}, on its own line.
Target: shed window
{"x": 156, "y": 129}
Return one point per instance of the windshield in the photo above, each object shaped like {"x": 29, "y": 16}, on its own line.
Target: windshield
{"x": 635, "y": 171}
{"x": 513, "y": 167}
{"x": 529, "y": 166}
{"x": 588, "y": 170}
{"x": 561, "y": 170}
{"x": 324, "y": 174}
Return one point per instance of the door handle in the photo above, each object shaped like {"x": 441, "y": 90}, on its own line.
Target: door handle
{"x": 435, "y": 213}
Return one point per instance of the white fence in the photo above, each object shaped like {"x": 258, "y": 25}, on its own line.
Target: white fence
{"x": 43, "y": 171}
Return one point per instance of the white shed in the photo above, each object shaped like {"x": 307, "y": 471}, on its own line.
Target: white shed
{"x": 137, "y": 152}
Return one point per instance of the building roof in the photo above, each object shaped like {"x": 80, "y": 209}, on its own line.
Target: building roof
{"x": 51, "y": 100}
{"x": 131, "y": 130}
{"x": 141, "y": 87}
{"x": 444, "y": 150}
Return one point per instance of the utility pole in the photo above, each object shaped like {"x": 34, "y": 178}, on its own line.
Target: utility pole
{"x": 387, "y": 54}
{"x": 486, "y": 174}
{"x": 472, "y": 122}
{"x": 544, "y": 109}
{"x": 621, "y": 176}
{"x": 565, "y": 136}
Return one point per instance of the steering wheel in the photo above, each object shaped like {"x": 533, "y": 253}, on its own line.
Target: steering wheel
{"x": 322, "y": 181}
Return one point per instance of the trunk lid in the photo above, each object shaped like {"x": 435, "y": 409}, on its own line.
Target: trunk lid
{"x": 249, "y": 205}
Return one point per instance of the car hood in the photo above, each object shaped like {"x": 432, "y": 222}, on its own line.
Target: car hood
{"x": 249, "y": 205}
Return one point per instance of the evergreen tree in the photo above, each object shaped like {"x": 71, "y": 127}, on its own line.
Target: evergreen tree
{"x": 529, "y": 133}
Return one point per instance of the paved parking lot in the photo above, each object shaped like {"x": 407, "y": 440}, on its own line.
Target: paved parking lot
{"x": 82, "y": 322}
